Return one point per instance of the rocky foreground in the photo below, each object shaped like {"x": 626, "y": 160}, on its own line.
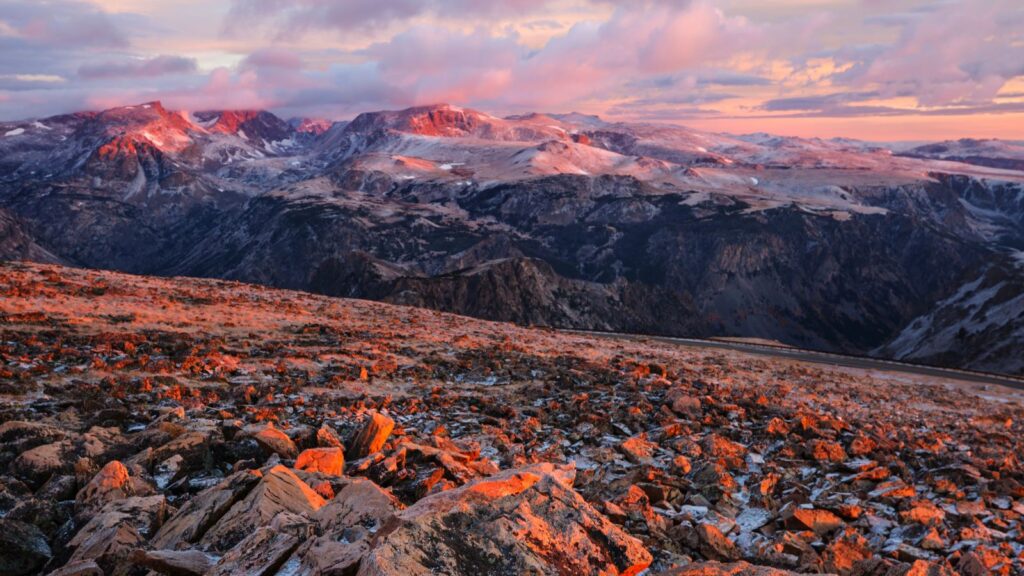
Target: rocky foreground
{"x": 184, "y": 427}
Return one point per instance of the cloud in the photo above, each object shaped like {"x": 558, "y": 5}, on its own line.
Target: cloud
{"x": 818, "y": 103}
{"x": 60, "y": 23}
{"x": 661, "y": 113}
{"x": 298, "y": 16}
{"x": 637, "y": 59}
{"x": 837, "y": 108}
{"x": 266, "y": 81}
{"x": 961, "y": 51}
{"x": 727, "y": 78}
{"x": 432, "y": 64}
{"x": 139, "y": 68}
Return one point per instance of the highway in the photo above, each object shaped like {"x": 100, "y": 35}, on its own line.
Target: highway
{"x": 825, "y": 358}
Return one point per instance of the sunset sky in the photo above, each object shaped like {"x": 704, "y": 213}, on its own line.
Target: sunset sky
{"x": 869, "y": 69}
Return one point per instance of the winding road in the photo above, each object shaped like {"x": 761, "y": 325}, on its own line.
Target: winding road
{"x": 826, "y": 358}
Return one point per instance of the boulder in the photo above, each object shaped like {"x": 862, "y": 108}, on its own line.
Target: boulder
{"x": 47, "y": 514}
{"x": 265, "y": 550}
{"x": 18, "y": 436}
{"x": 102, "y": 444}
{"x": 112, "y": 482}
{"x": 734, "y": 569}
{"x": 174, "y": 562}
{"x": 638, "y": 450}
{"x": 329, "y": 461}
{"x": 191, "y": 447}
{"x": 358, "y": 511}
{"x": 713, "y": 544}
{"x": 445, "y": 459}
{"x": 372, "y": 436}
{"x": 526, "y": 520}
{"x": 983, "y": 561}
{"x": 35, "y": 466}
{"x": 926, "y": 568}
{"x": 280, "y": 490}
{"x": 78, "y": 568}
{"x": 23, "y": 548}
{"x": 274, "y": 441}
{"x": 683, "y": 403}
{"x": 816, "y": 520}
{"x": 845, "y": 553}
{"x": 730, "y": 454}
{"x": 360, "y": 503}
{"x": 326, "y": 437}
{"x": 111, "y": 535}
{"x": 200, "y": 513}
{"x": 923, "y": 512}
{"x": 826, "y": 451}
{"x": 109, "y": 547}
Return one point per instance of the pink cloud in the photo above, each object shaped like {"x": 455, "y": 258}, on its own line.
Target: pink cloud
{"x": 67, "y": 23}
{"x": 637, "y": 58}
{"x": 960, "y": 52}
{"x": 433, "y": 64}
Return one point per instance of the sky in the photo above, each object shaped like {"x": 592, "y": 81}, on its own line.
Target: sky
{"x": 878, "y": 70}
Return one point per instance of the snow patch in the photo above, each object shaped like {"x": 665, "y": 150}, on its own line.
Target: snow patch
{"x": 41, "y": 126}
{"x": 1018, "y": 258}
{"x": 15, "y": 132}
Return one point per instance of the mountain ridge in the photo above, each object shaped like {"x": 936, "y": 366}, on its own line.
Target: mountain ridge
{"x": 563, "y": 220}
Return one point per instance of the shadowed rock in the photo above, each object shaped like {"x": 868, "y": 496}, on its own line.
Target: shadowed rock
{"x": 527, "y": 520}
{"x": 718, "y": 569}
{"x": 266, "y": 549}
{"x": 200, "y": 513}
{"x": 78, "y": 568}
{"x": 280, "y": 490}
{"x": 348, "y": 523}
{"x": 122, "y": 526}
{"x": 23, "y": 548}
{"x": 174, "y": 562}
{"x": 38, "y": 464}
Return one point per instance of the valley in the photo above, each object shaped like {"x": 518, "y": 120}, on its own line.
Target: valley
{"x": 550, "y": 220}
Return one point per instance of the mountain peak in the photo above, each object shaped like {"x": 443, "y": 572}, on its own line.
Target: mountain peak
{"x": 311, "y": 126}
{"x": 428, "y": 120}
{"x": 150, "y": 121}
{"x": 450, "y": 121}
{"x": 258, "y": 124}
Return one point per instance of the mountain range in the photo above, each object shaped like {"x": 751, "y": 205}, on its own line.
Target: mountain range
{"x": 561, "y": 220}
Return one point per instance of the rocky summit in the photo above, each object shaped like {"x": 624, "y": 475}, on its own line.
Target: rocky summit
{"x": 205, "y": 427}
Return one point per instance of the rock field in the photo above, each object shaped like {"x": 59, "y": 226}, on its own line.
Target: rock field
{"x": 187, "y": 427}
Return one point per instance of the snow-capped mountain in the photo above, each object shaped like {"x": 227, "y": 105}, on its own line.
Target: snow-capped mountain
{"x": 547, "y": 219}
{"x": 995, "y": 153}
